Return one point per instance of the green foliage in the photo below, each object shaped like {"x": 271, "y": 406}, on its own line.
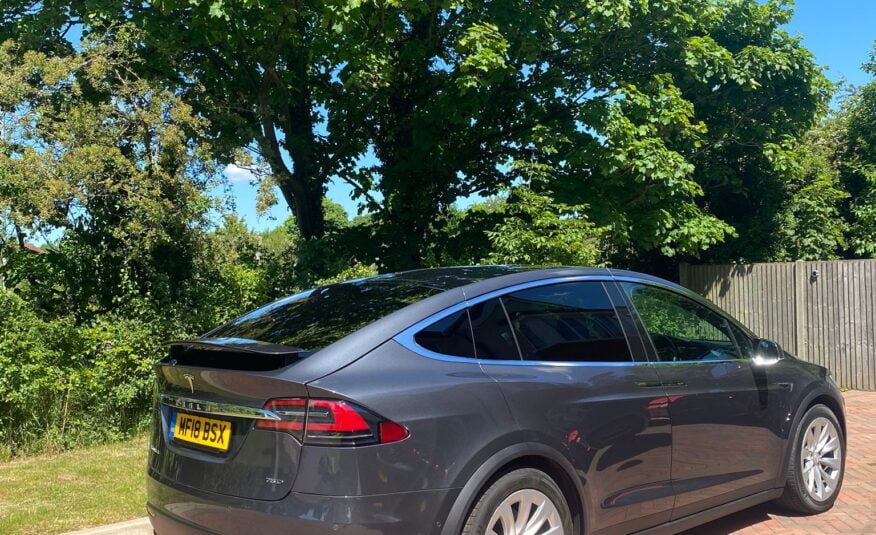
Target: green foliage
{"x": 538, "y": 231}
{"x": 664, "y": 135}
{"x": 831, "y": 211}
{"x": 857, "y": 162}
{"x": 65, "y": 384}
{"x": 811, "y": 225}
{"x": 113, "y": 163}
{"x": 356, "y": 271}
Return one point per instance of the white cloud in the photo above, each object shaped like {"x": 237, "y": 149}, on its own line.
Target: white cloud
{"x": 237, "y": 174}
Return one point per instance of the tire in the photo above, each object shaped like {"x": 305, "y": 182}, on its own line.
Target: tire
{"x": 797, "y": 495}
{"x": 495, "y": 506}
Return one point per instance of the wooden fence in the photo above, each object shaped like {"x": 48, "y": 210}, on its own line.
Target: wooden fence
{"x": 823, "y": 312}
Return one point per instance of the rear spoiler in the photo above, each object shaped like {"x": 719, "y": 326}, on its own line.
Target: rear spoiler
{"x": 232, "y": 354}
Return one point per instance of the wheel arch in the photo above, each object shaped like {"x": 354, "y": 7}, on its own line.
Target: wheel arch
{"x": 831, "y": 403}
{"x": 817, "y": 396}
{"x": 521, "y": 455}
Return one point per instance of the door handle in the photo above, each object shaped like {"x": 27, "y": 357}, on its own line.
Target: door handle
{"x": 660, "y": 384}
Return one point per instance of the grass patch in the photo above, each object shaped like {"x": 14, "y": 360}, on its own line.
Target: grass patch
{"x": 73, "y": 490}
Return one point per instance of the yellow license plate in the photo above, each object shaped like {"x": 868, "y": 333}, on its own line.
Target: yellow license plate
{"x": 199, "y": 430}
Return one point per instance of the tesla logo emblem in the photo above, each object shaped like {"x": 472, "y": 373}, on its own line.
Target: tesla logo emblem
{"x": 191, "y": 380}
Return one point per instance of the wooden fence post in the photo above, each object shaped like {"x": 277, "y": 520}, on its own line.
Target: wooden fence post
{"x": 801, "y": 277}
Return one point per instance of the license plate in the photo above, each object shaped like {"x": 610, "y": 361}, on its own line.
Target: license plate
{"x": 202, "y": 431}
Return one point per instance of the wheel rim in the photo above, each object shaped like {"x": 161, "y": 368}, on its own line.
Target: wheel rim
{"x": 526, "y": 512}
{"x": 821, "y": 458}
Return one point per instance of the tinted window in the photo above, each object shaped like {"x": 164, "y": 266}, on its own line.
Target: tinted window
{"x": 680, "y": 328}
{"x": 745, "y": 343}
{"x": 448, "y": 336}
{"x": 316, "y": 318}
{"x": 567, "y": 322}
{"x": 492, "y": 333}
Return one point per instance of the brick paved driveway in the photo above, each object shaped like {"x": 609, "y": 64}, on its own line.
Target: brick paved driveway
{"x": 855, "y": 510}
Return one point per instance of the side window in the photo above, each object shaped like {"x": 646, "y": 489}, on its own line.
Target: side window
{"x": 680, "y": 328}
{"x": 492, "y": 334}
{"x": 570, "y": 322}
{"x": 448, "y": 336}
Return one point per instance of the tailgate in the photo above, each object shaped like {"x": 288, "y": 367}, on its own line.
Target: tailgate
{"x": 204, "y": 418}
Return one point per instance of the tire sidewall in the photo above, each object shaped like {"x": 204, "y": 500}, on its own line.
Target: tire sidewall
{"x": 521, "y": 479}
{"x": 818, "y": 411}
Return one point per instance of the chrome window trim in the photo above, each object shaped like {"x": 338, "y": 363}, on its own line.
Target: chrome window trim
{"x": 216, "y": 409}
{"x": 406, "y": 337}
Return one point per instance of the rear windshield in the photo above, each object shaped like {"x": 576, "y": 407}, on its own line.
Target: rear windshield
{"x": 316, "y": 318}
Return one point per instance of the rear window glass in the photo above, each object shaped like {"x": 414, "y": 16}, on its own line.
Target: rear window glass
{"x": 316, "y": 318}
{"x": 448, "y": 336}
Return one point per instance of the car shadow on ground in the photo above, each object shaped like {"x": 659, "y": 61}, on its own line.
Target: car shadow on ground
{"x": 740, "y": 521}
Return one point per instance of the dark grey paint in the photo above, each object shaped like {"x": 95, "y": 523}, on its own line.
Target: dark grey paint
{"x": 611, "y": 433}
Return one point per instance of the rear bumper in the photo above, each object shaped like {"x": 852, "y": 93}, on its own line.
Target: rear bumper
{"x": 174, "y": 511}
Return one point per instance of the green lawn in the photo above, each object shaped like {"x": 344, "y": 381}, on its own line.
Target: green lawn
{"x": 73, "y": 490}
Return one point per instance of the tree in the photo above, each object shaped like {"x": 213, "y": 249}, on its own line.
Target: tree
{"x": 660, "y": 115}
{"x": 107, "y": 164}
{"x": 833, "y": 211}
{"x": 856, "y": 159}
{"x": 537, "y": 231}
{"x": 811, "y": 225}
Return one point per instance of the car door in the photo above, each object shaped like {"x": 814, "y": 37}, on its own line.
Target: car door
{"x": 573, "y": 370}
{"x": 723, "y": 442}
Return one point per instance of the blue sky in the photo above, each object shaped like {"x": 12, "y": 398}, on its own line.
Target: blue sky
{"x": 840, "y": 33}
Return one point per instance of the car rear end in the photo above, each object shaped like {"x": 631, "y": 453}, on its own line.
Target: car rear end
{"x": 253, "y": 437}
{"x": 226, "y": 448}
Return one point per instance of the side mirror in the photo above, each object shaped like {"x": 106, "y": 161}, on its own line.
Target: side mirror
{"x": 766, "y": 352}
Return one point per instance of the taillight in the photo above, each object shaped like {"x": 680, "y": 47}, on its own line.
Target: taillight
{"x": 331, "y": 422}
{"x": 291, "y": 412}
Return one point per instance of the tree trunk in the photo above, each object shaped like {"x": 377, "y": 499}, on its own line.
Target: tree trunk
{"x": 302, "y": 186}
{"x": 306, "y": 206}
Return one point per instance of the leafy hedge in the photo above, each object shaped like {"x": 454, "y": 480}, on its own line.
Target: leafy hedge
{"x": 65, "y": 384}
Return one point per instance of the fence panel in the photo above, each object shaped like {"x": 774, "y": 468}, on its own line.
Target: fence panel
{"x": 821, "y": 311}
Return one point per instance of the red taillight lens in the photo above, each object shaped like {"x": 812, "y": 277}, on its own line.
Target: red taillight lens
{"x": 292, "y": 413}
{"x": 392, "y": 432}
{"x": 331, "y": 422}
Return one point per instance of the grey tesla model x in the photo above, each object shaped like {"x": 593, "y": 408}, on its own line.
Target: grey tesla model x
{"x": 487, "y": 400}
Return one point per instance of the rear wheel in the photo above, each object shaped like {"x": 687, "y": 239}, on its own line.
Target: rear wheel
{"x": 815, "y": 469}
{"x": 522, "y": 502}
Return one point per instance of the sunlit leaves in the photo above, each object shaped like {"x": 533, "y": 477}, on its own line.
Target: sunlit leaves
{"x": 538, "y": 231}
{"x": 483, "y": 49}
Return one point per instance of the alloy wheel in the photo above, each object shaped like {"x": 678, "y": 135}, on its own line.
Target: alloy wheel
{"x": 526, "y": 512}
{"x": 821, "y": 458}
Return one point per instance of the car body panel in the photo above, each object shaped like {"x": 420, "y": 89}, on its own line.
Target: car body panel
{"x": 255, "y": 457}
{"x": 614, "y": 432}
{"x": 182, "y": 510}
{"x": 454, "y": 411}
{"x": 726, "y": 440}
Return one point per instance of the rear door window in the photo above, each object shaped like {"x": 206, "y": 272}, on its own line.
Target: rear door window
{"x": 569, "y": 322}
{"x": 494, "y": 339}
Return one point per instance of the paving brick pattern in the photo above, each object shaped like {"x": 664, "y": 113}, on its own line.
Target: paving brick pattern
{"x": 854, "y": 511}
